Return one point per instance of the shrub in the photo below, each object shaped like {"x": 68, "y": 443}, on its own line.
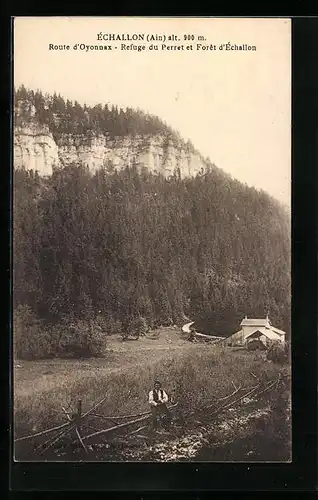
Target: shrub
{"x": 134, "y": 326}
{"x": 140, "y": 325}
{"x": 277, "y": 353}
{"x": 79, "y": 339}
{"x": 108, "y": 324}
{"x": 34, "y": 340}
{"x": 255, "y": 345}
{"x": 278, "y": 423}
{"x": 31, "y": 339}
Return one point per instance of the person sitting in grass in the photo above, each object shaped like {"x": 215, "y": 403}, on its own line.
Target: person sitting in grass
{"x": 158, "y": 400}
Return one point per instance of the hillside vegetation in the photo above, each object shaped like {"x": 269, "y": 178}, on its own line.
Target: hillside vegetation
{"x": 129, "y": 244}
{"x": 113, "y": 248}
{"x": 64, "y": 116}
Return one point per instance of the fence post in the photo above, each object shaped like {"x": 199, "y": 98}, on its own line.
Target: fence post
{"x": 79, "y": 414}
{"x": 78, "y": 424}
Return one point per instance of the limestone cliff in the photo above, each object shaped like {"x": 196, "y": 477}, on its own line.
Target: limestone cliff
{"x": 35, "y": 148}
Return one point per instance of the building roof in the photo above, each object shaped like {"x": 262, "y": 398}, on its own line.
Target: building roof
{"x": 277, "y": 330}
{"x": 255, "y": 322}
{"x": 236, "y": 333}
{"x": 268, "y": 332}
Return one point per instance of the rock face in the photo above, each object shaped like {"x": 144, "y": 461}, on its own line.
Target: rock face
{"x": 35, "y": 148}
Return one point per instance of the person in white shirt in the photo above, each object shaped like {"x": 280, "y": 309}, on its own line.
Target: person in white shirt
{"x": 158, "y": 400}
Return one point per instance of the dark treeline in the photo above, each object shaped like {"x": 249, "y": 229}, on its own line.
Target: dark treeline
{"x": 132, "y": 244}
{"x": 64, "y": 116}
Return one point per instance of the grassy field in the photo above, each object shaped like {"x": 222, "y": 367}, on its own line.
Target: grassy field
{"x": 193, "y": 373}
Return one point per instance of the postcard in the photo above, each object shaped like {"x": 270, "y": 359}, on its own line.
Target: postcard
{"x": 151, "y": 239}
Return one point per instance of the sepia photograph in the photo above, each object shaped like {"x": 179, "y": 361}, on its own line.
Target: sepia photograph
{"x": 151, "y": 239}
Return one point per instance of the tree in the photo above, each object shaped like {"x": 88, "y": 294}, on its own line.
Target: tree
{"x": 135, "y": 244}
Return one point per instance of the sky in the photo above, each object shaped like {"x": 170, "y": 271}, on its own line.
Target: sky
{"x": 234, "y": 106}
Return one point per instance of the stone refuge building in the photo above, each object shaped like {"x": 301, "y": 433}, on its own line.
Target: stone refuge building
{"x": 256, "y": 329}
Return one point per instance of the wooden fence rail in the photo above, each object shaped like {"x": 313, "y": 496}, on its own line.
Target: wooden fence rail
{"x": 76, "y": 420}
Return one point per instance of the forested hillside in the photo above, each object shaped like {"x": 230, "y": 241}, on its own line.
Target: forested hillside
{"x": 133, "y": 244}
{"x": 64, "y": 116}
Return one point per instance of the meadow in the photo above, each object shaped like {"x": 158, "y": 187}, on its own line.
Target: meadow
{"x": 191, "y": 373}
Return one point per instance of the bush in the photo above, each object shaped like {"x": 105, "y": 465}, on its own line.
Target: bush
{"x": 134, "y": 327}
{"x": 31, "y": 339}
{"x": 277, "y": 428}
{"x": 277, "y": 353}
{"x": 79, "y": 339}
{"x": 255, "y": 345}
{"x": 108, "y": 324}
{"x": 140, "y": 325}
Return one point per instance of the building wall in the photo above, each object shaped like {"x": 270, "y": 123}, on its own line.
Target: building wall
{"x": 237, "y": 339}
{"x": 262, "y": 338}
{"x": 247, "y": 330}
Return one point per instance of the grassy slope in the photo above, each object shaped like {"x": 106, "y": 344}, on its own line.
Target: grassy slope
{"x": 195, "y": 373}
